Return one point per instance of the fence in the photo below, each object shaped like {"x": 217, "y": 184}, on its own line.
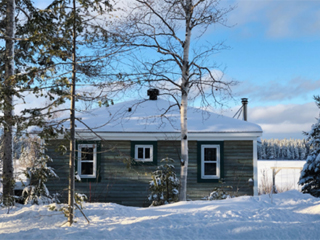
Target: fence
{"x": 283, "y": 173}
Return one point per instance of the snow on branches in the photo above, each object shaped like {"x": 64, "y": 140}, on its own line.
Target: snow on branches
{"x": 310, "y": 174}
{"x": 288, "y": 149}
{"x": 164, "y": 185}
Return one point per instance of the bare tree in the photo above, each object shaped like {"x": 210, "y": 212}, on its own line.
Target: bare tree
{"x": 179, "y": 68}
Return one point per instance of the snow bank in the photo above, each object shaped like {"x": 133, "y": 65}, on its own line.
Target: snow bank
{"x": 289, "y": 215}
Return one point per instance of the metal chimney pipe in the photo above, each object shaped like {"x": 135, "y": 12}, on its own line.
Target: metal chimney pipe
{"x": 244, "y": 105}
{"x": 153, "y": 94}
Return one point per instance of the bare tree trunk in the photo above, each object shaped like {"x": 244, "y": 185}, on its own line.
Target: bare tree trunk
{"x": 72, "y": 124}
{"x": 8, "y": 115}
{"x": 184, "y": 106}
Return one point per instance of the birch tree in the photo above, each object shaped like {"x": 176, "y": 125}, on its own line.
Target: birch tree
{"x": 168, "y": 30}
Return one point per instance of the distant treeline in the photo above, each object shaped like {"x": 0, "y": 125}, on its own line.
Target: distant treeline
{"x": 286, "y": 149}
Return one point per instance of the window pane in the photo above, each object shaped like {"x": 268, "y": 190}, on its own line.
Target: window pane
{"x": 147, "y": 153}
{"x": 210, "y": 154}
{"x": 140, "y": 152}
{"x": 210, "y": 169}
{"x": 87, "y": 168}
{"x": 87, "y": 153}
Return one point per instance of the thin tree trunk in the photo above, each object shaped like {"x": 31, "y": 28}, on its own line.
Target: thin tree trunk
{"x": 184, "y": 106}
{"x": 8, "y": 181}
{"x": 72, "y": 125}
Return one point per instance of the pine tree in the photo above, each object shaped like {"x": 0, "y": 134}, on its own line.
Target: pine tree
{"x": 259, "y": 151}
{"x": 36, "y": 192}
{"x": 310, "y": 175}
{"x": 289, "y": 152}
{"x": 284, "y": 149}
{"x": 263, "y": 150}
{"x": 276, "y": 149}
{"x": 164, "y": 185}
{"x": 296, "y": 151}
{"x": 303, "y": 151}
{"x": 271, "y": 152}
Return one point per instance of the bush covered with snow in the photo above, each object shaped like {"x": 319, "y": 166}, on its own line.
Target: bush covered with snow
{"x": 36, "y": 192}
{"x": 164, "y": 185}
{"x": 220, "y": 192}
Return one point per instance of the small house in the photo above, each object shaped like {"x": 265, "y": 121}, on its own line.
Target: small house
{"x": 119, "y": 146}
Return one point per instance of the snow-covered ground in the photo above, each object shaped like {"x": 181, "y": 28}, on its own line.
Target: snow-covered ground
{"x": 289, "y": 215}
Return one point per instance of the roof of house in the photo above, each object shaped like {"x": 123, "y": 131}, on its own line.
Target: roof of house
{"x": 157, "y": 116}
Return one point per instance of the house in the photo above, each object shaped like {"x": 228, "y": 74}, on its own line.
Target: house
{"x": 126, "y": 142}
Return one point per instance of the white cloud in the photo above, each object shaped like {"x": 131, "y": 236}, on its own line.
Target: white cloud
{"x": 285, "y": 18}
{"x": 284, "y": 121}
{"x": 277, "y": 91}
{"x": 281, "y": 120}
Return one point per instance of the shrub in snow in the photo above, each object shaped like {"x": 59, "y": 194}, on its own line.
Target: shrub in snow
{"x": 164, "y": 185}
{"x": 310, "y": 174}
{"x": 219, "y": 192}
{"x": 36, "y": 192}
{"x": 79, "y": 199}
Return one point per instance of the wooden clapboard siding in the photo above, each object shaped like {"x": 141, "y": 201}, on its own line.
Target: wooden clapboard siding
{"x": 127, "y": 184}
{"x": 238, "y": 162}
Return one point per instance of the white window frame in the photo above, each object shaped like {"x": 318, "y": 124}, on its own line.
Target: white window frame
{"x": 217, "y": 176}
{"x": 94, "y": 146}
{"x": 144, "y": 146}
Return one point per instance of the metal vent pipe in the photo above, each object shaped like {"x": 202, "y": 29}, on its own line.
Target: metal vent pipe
{"x": 244, "y": 106}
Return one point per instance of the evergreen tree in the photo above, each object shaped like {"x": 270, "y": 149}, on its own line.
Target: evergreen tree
{"x": 289, "y": 152}
{"x": 284, "y": 149}
{"x": 296, "y": 151}
{"x": 259, "y": 151}
{"x": 36, "y": 192}
{"x": 271, "y": 152}
{"x": 303, "y": 151}
{"x": 263, "y": 150}
{"x": 164, "y": 185}
{"x": 310, "y": 174}
{"x": 276, "y": 149}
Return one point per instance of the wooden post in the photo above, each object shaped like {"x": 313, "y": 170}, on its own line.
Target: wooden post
{"x": 274, "y": 190}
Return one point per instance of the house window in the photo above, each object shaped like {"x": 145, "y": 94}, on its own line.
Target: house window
{"x": 210, "y": 161}
{"x": 143, "y": 153}
{"x": 87, "y": 160}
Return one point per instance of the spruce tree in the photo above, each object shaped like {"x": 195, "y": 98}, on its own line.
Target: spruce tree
{"x": 310, "y": 175}
{"x": 164, "y": 185}
{"x": 36, "y": 191}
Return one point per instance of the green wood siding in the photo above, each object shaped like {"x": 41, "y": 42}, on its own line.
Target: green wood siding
{"x": 126, "y": 183}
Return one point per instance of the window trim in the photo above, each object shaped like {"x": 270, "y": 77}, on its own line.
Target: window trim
{"x": 98, "y": 171}
{"x": 144, "y": 146}
{"x": 135, "y": 161}
{"x": 200, "y": 179}
{"x": 203, "y": 147}
{"x": 94, "y": 160}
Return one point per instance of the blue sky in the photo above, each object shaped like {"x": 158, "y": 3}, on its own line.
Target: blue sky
{"x": 275, "y": 56}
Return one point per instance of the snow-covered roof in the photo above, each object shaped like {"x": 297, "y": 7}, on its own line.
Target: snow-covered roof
{"x": 157, "y": 116}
